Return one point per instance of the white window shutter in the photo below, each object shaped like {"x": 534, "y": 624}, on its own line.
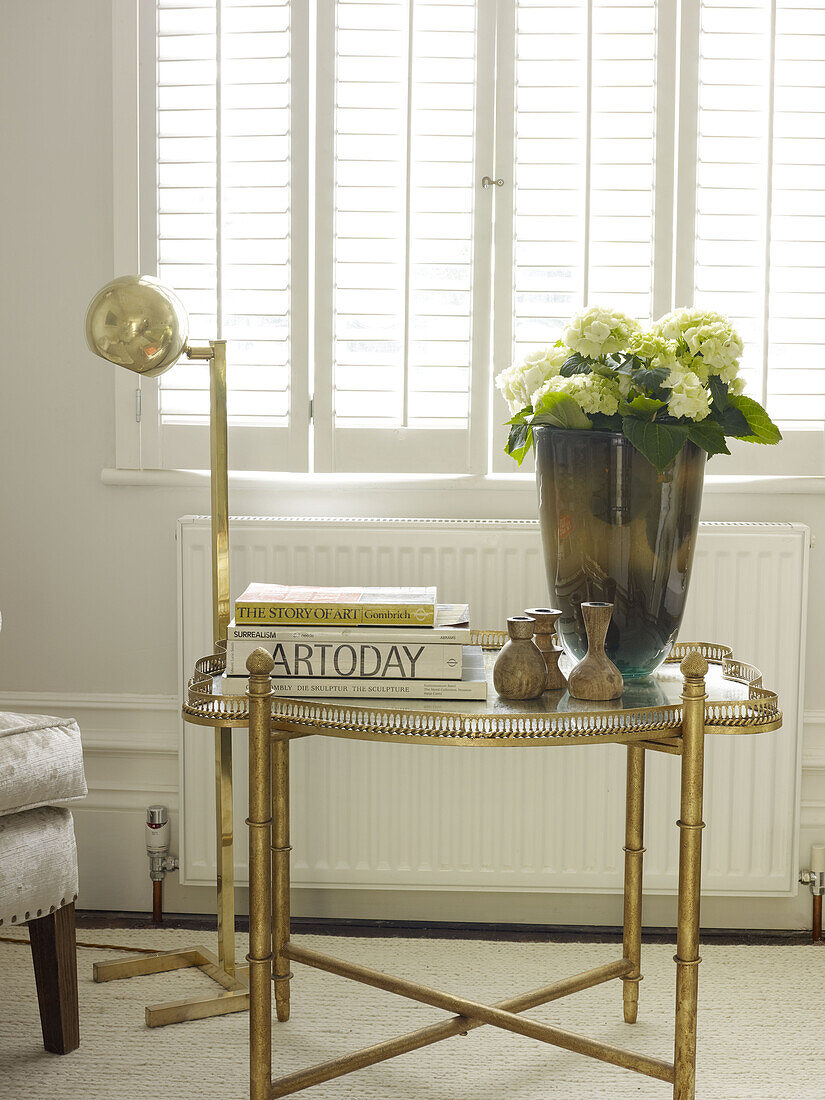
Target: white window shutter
{"x": 399, "y": 137}
{"x": 760, "y": 226}
{"x": 227, "y": 100}
{"x": 572, "y": 105}
{"x": 583, "y": 132}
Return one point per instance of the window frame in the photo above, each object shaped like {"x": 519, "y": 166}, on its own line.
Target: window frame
{"x": 312, "y": 445}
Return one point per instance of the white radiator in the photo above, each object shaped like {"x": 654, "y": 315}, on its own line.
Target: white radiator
{"x": 397, "y": 816}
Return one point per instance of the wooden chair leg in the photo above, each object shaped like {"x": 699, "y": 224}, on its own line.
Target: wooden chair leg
{"x": 54, "y": 954}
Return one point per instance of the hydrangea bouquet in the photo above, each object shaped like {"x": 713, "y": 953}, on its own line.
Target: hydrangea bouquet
{"x": 676, "y": 381}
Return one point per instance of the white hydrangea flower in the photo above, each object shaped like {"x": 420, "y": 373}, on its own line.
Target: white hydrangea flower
{"x": 595, "y": 331}
{"x": 729, "y": 373}
{"x": 708, "y": 335}
{"x": 520, "y": 382}
{"x": 666, "y": 358}
{"x": 591, "y": 392}
{"x": 512, "y": 384}
{"x": 737, "y": 386}
{"x": 652, "y": 345}
{"x": 695, "y": 364}
{"x": 688, "y": 397}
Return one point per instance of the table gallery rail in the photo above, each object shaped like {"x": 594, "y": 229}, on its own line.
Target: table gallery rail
{"x": 701, "y": 690}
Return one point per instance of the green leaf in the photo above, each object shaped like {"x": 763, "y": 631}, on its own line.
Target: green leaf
{"x": 602, "y": 423}
{"x": 519, "y": 442}
{"x": 708, "y": 435}
{"x": 719, "y": 393}
{"x": 761, "y": 429}
{"x": 576, "y": 364}
{"x": 625, "y": 363}
{"x": 659, "y": 443}
{"x": 733, "y": 421}
{"x": 560, "y": 411}
{"x": 521, "y": 417}
{"x": 643, "y": 407}
{"x": 604, "y": 370}
{"x": 650, "y": 379}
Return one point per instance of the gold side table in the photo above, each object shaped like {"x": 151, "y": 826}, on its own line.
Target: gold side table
{"x": 708, "y": 693}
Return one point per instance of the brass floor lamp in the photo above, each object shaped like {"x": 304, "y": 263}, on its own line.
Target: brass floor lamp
{"x": 137, "y": 323}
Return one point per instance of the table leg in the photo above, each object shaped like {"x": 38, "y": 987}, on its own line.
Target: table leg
{"x": 260, "y": 665}
{"x": 633, "y": 858}
{"x": 224, "y": 829}
{"x": 694, "y": 668}
{"x": 280, "y": 876}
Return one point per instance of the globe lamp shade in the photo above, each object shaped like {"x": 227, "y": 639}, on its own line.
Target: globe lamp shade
{"x": 138, "y": 323}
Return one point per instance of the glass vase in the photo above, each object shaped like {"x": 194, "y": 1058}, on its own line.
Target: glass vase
{"x": 615, "y": 530}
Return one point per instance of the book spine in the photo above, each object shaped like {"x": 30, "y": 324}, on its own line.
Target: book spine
{"x": 331, "y": 614}
{"x": 364, "y": 689}
{"x": 266, "y": 636}
{"x": 352, "y": 660}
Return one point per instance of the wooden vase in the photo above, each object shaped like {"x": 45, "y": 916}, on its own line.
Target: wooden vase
{"x": 545, "y": 619}
{"x": 520, "y": 671}
{"x": 595, "y": 676}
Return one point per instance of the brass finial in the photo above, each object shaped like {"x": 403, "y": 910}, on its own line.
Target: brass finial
{"x": 259, "y": 662}
{"x": 694, "y": 666}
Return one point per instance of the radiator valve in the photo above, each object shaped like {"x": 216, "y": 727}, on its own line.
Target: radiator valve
{"x": 157, "y": 843}
{"x": 815, "y": 878}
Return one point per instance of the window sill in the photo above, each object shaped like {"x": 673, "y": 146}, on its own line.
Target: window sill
{"x": 786, "y": 484}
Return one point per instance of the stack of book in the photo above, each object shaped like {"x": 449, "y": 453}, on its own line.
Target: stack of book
{"x": 355, "y": 642}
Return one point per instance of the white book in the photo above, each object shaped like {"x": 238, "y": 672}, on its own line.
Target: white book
{"x": 356, "y": 660}
{"x": 444, "y": 632}
{"x": 472, "y": 685}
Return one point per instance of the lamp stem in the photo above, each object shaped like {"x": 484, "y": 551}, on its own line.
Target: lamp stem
{"x": 218, "y": 454}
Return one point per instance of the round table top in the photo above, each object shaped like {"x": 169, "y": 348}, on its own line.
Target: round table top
{"x": 649, "y": 709}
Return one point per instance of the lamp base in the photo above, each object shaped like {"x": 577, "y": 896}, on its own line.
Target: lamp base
{"x": 234, "y": 998}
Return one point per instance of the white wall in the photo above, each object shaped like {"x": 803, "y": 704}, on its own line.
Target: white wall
{"x": 87, "y": 570}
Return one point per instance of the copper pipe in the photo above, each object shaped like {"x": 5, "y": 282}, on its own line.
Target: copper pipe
{"x": 434, "y": 1033}
{"x": 816, "y": 923}
{"x": 509, "y": 1021}
{"x": 157, "y": 901}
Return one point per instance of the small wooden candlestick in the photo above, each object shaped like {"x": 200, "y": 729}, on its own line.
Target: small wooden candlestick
{"x": 520, "y": 671}
{"x": 595, "y": 677}
{"x": 545, "y": 619}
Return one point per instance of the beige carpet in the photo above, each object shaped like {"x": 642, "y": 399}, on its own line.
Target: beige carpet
{"x": 760, "y": 1033}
